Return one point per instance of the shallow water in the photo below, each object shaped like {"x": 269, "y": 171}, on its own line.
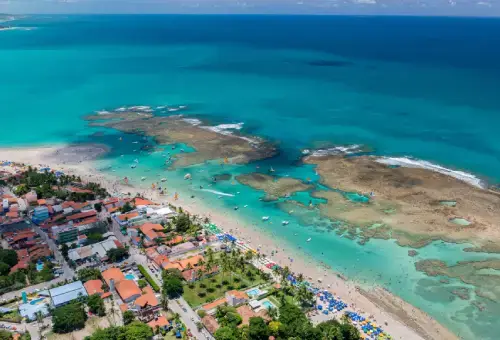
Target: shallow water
{"x": 421, "y": 87}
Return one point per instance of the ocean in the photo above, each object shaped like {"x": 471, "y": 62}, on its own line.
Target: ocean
{"x": 425, "y": 88}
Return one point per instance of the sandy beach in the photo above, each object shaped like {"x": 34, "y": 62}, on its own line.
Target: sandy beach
{"x": 400, "y": 319}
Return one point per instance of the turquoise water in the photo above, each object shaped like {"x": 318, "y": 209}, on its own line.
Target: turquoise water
{"x": 130, "y": 277}
{"x": 34, "y": 302}
{"x": 421, "y": 87}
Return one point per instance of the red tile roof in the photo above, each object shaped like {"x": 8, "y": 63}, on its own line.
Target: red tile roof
{"x": 93, "y": 287}
{"x": 127, "y": 289}
{"x": 82, "y": 215}
{"x": 124, "y": 217}
{"x": 159, "y": 322}
{"x": 113, "y": 273}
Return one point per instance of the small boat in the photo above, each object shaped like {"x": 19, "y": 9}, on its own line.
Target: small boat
{"x": 265, "y": 218}
{"x": 143, "y": 178}
{"x": 136, "y": 160}
{"x": 271, "y": 169}
{"x": 187, "y": 176}
{"x": 246, "y": 205}
{"x": 135, "y": 142}
{"x": 285, "y": 222}
{"x": 133, "y": 166}
{"x": 309, "y": 239}
{"x": 236, "y": 208}
{"x": 182, "y": 106}
{"x": 163, "y": 179}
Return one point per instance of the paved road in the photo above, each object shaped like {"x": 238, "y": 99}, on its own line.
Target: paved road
{"x": 30, "y": 327}
{"x": 180, "y": 306}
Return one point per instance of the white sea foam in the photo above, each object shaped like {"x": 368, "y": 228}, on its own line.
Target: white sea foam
{"x": 337, "y": 150}
{"x": 103, "y": 112}
{"x": 192, "y": 121}
{"x": 416, "y": 163}
{"x": 218, "y": 192}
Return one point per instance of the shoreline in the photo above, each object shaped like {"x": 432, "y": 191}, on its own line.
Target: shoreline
{"x": 401, "y": 319}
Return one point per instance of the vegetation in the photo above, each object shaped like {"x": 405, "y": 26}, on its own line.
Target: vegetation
{"x": 46, "y": 274}
{"x": 117, "y": 254}
{"x": 98, "y": 207}
{"x": 172, "y": 283}
{"x": 128, "y": 317}
{"x": 126, "y": 208}
{"x": 87, "y": 274}
{"x": 148, "y": 278}
{"x": 64, "y": 251}
{"x": 133, "y": 331}
{"x": 227, "y": 316}
{"x": 69, "y": 318}
{"x": 13, "y": 316}
{"x": 47, "y": 185}
{"x": 5, "y": 335}
{"x": 258, "y": 329}
{"x": 96, "y": 305}
{"x": 142, "y": 283}
{"x": 235, "y": 273}
{"x": 94, "y": 238}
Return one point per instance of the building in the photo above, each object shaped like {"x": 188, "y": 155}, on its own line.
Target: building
{"x": 112, "y": 274}
{"x": 96, "y": 250}
{"x": 235, "y": 297}
{"x": 65, "y": 234}
{"x": 67, "y": 293}
{"x": 128, "y": 290}
{"x": 147, "y": 304}
{"x": 94, "y": 287}
{"x": 29, "y": 311}
{"x": 152, "y": 231}
{"x": 160, "y": 322}
{"x": 40, "y": 214}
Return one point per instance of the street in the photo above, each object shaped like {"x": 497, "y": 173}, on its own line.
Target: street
{"x": 180, "y": 306}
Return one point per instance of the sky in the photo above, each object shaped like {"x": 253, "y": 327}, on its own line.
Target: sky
{"x": 358, "y": 7}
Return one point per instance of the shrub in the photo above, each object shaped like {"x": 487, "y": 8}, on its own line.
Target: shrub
{"x": 230, "y": 287}
{"x": 202, "y": 285}
{"x": 202, "y": 294}
{"x": 236, "y": 279}
{"x": 210, "y": 289}
{"x": 225, "y": 282}
{"x": 219, "y": 286}
{"x": 148, "y": 278}
{"x": 191, "y": 285}
{"x": 243, "y": 285}
{"x": 213, "y": 280}
{"x": 201, "y": 313}
{"x": 141, "y": 283}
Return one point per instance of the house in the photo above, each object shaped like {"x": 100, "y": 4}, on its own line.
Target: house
{"x": 246, "y": 313}
{"x": 161, "y": 260}
{"x": 94, "y": 287}
{"x": 112, "y": 274}
{"x": 191, "y": 275}
{"x": 151, "y": 253}
{"x": 161, "y": 322}
{"x": 210, "y": 323}
{"x": 211, "y": 306}
{"x": 147, "y": 304}
{"x": 235, "y": 297}
{"x": 128, "y": 290}
{"x": 152, "y": 231}
{"x": 175, "y": 240}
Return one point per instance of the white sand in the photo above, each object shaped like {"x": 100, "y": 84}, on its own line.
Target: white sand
{"x": 400, "y": 319}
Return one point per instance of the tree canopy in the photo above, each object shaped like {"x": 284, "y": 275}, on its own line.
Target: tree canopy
{"x": 128, "y": 317}
{"x": 68, "y": 318}
{"x": 134, "y": 331}
{"x": 117, "y": 254}
{"x": 96, "y": 305}
{"x": 87, "y": 274}
{"x": 172, "y": 284}
{"x": 9, "y": 257}
{"x": 258, "y": 329}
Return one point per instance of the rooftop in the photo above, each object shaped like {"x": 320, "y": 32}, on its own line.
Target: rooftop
{"x": 66, "y": 293}
{"x": 113, "y": 274}
{"x": 159, "y": 322}
{"x": 93, "y": 287}
{"x": 127, "y": 289}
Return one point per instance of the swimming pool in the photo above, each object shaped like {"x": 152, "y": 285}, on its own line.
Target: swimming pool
{"x": 34, "y": 302}
{"x": 255, "y": 292}
{"x": 268, "y": 304}
{"x": 130, "y": 277}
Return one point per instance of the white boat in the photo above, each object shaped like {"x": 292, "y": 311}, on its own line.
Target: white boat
{"x": 271, "y": 169}
{"x": 136, "y": 160}
{"x": 265, "y": 218}
{"x": 309, "y": 239}
{"x": 285, "y": 222}
{"x": 187, "y": 176}
{"x": 163, "y": 179}
{"x": 143, "y": 178}
{"x": 135, "y": 142}
{"x": 246, "y": 205}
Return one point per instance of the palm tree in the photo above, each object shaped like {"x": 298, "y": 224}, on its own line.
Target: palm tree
{"x": 300, "y": 277}
{"x": 272, "y": 313}
{"x": 304, "y": 296}
{"x": 164, "y": 302}
{"x": 249, "y": 256}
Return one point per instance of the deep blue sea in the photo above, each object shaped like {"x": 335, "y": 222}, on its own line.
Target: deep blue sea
{"x": 404, "y": 86}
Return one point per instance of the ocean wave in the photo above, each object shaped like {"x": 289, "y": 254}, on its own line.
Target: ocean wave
{"x": 192, "y": 121}
{"x": 17, "y": 28}
{"x": 218, "y": 192}
{"x": 337, "y": 150}
{"x": 416, "y": 163}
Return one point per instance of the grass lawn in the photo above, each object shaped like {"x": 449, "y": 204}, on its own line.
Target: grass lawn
{"x": 191, "y": 295}
{"x": 276, "y": 300}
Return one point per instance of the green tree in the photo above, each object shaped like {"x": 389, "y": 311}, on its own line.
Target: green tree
{"x": 172, "y": 286}
{"x": 98, "y": 207}
{"x": 182, "y": 223}
{"x": 64, "y": 251}
{"x": 117, "y": 254}
{"x": 68, "y": 318}
{"x": 96, "y": 305}
{"x": 5, "y": 335}
{"x": 4, "y": 269}
{"x": 258, "y": 329}
{"x": 226, "y": 333}
{"x": 9, "y": 257}
{"x": 305, "y": 296}
{"x": 87, "y": 274}
{"x": 126, "y": 208}
{"x": 138, "y": 331}
{"x": 128, "y": 317}
{"x": 142, "y": 283}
